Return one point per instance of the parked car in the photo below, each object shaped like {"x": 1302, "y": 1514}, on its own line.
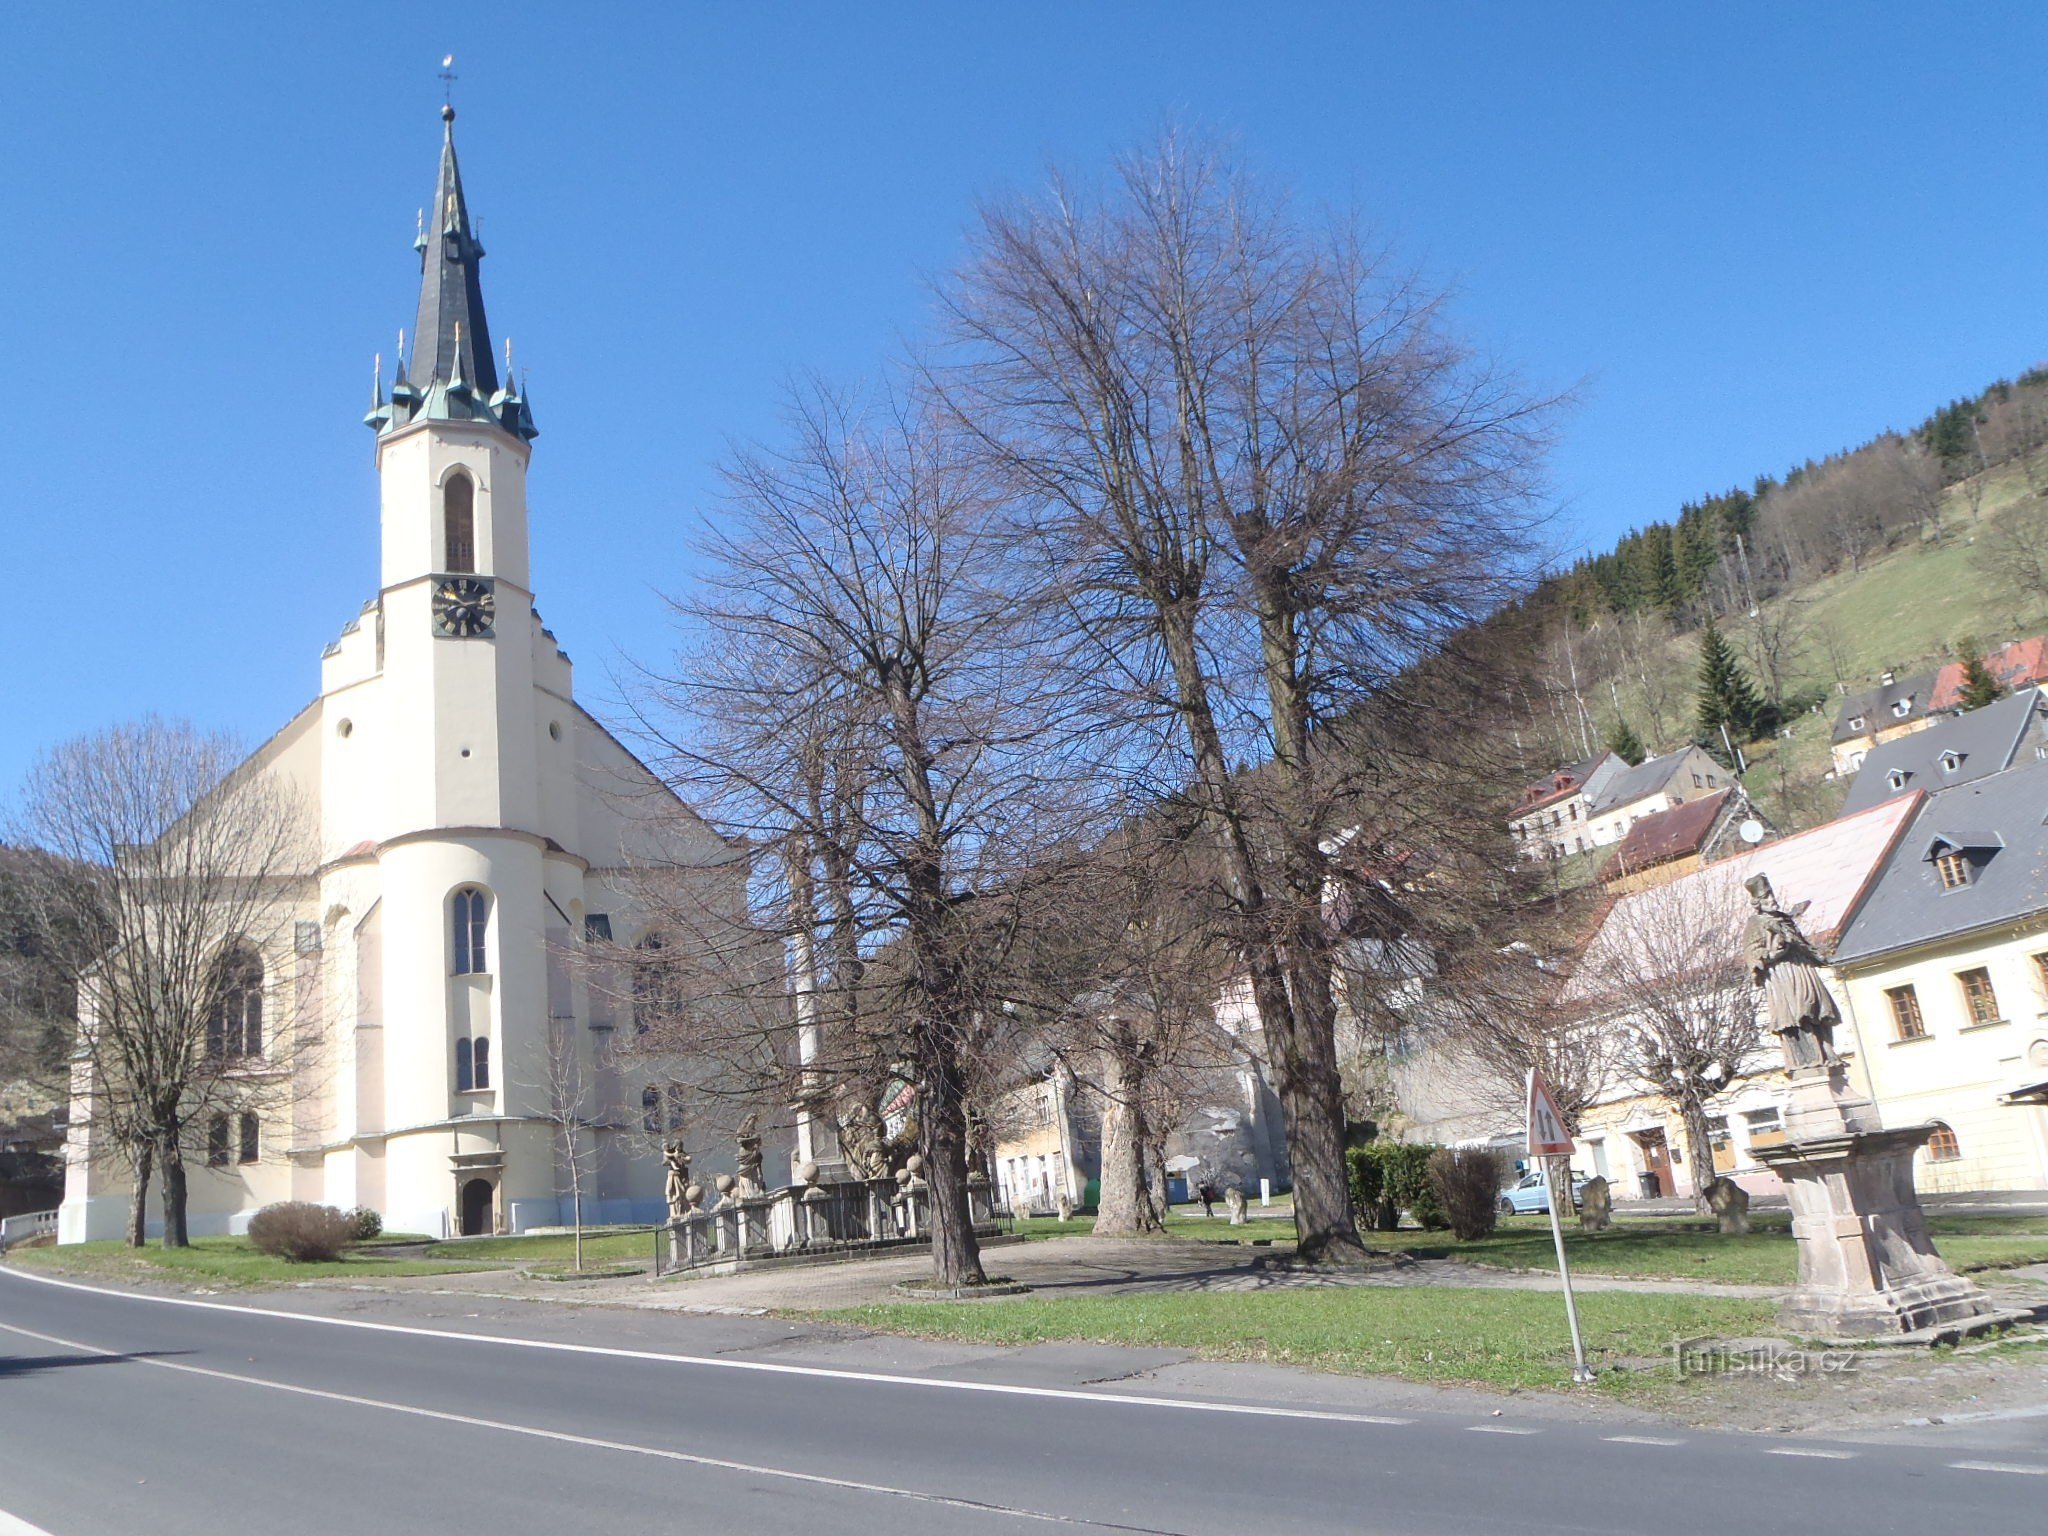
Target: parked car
{"x": 1532, "y": 1194}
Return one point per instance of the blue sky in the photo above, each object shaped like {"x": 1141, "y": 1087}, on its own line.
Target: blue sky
{"x": 1745, "y": 238}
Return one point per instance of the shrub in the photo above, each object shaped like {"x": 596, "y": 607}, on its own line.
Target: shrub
{"x": 1466, "y": 1182}
{"x": 364, "y": 1224}
{"x": 299, "y": 1232}
{"x": 1388, "y": 1177}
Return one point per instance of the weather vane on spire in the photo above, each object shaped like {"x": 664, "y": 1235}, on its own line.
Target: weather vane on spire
{"x": 448, "y": 78}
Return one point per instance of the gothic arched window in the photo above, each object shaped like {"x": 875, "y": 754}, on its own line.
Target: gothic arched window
{"x": 465, "y": 1071}
{"x": 472, "y": 911}
{"x": 483, "y": 1063}
{"x": 234, "y": 1026}
{"x": 458, "y": 520}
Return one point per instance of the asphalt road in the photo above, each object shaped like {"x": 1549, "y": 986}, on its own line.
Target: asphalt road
{"x": 122, "y": 1413}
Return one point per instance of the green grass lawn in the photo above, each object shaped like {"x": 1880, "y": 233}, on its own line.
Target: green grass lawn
{"x": 226, "y": 1261}
{"x": 609, "y": 1246}
{"x": 1435, "y": 1333}
{"x": 1690, "y": 1249}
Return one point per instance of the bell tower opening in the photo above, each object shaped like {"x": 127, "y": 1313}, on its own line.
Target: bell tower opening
{"x": 458, "y": 523}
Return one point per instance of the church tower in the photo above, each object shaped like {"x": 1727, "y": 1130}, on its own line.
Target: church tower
{"x": 451, "y": 764}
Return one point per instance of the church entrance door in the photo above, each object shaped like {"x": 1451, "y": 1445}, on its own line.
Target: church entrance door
{"x": 476, "y": 1208}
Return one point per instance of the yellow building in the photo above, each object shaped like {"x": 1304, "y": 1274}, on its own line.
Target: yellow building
{"x": 1944, "y": 972}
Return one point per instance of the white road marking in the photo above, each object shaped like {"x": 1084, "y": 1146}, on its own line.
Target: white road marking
{"x": 2020, "y": 1467}
{"x": 1501, "y": 1429}
{"x": 14, "y": 1525}
{"x": 719, "y": 1362}
{"x": 1807, "y": 1450}
{"x": 1639, "y": 1440}
{"x": 717, "y": 1463}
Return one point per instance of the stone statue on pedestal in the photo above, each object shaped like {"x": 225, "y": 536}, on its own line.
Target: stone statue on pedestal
{"x": 1784, "y": 966}
{"x": 677, "y": 1190}
{"x": 749, "y": 1163}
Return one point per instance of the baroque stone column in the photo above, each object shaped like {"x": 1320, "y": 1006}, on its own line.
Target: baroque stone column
{"x": 1867, "y": 1267}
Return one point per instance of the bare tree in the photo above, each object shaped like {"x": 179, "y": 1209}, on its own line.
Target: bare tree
{"x": 161, "y": 877}
{"x": 868, "y": 706}
{"x": 1666, "y": 974}
{"x": 565, "y": 1103}
{"x": 1500, "y": 1017}
{"x": 1263, "y": 483}
{"x": 2011, "y": 555}
{"x": 1774, "y": 634}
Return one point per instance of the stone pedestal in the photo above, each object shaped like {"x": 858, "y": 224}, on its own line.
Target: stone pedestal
{"x": 1867, "y": 1267}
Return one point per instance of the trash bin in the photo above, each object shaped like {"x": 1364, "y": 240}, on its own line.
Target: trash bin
{"x": 1649, "y": 1183}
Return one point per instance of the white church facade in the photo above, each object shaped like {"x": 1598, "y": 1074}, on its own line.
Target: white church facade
{"x": 476, "y": 826}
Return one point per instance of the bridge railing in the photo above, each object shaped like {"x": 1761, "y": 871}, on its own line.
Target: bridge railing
{"x": 23, "y": 1228}
{"x": 842, "y": 1216}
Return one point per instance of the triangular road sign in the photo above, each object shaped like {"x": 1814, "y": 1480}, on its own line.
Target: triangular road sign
{"x": 1547, "y": 1135}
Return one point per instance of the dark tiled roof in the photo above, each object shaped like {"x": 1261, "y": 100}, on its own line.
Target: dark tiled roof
{"x": 1985, "y": 741}
{"x": 1645, "y": 779}
{"x": 451, "y": 289}
{"x": 1875, "y": 708}
{"x": 1908, "y": 905}
{"x": 1670, "y": 834}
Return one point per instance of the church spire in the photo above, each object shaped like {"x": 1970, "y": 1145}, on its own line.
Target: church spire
{"x": 451, "y": 339}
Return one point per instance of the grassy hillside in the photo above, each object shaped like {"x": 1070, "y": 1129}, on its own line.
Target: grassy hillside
{"x": 1904, "y": 612}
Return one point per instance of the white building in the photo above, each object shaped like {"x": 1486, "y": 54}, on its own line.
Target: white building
{"x": 474, "y": 822}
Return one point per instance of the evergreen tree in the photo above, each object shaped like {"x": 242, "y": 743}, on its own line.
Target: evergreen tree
{"x": 1980, "y": 687}
{"x": 1727, "y": 696}
{"x": 1625, "y": 744}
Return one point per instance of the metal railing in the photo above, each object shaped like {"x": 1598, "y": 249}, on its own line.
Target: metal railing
{"x": 25, "y": 1227}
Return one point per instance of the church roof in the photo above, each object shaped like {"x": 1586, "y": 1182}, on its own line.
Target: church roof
{"x": 452, "y": 374}
{"x": 451, "y": 339}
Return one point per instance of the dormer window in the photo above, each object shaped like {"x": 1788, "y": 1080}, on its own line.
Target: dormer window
{"x": 1951, "y": 761}
{"x": 1953, "y": 869}
{"x": 1897, "y": 778}
{"x": 1856, "y": 724}
{"x": 1903, "y": 707}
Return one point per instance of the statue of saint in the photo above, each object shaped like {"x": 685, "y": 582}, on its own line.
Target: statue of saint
{"x": 1785, "y": 967}
{"x": 860, "y": 1139}
{"x": 678, "y": 1163}
{"x": 750, "y": 1159}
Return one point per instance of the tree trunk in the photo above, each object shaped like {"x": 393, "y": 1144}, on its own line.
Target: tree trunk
{"x": 171, "y": 1157}
{"x": 942, "y": 1138}
{"x": 1699, "y": 1148}
{"x": 138, "y": 1205}
{"x": 1312, "y": 1094}
{"x": 1125, "y": 1206}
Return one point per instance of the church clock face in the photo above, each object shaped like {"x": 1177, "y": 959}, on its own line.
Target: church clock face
{"x": 463, "y": 607}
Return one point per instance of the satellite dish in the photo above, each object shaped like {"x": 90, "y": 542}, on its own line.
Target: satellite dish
{"x": 1752, "y": 831}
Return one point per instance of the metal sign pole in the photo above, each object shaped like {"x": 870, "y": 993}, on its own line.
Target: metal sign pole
{"x": 1581, "y": 1373}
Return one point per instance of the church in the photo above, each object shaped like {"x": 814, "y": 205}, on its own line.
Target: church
{"x": 476, "y": 829}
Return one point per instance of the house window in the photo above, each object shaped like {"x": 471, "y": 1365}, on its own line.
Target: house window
{"x": 217, "y": 1141}
{"x": 1978, "y": 997}
{"x": 1764, "y": 1122}
{"x": 652, "y": 1002}
{"x": 1942, "y": 1146}
{"x": 482, "y": 1055}
{"x": 465, "y": 1067}
{"x": 1712, "y": 781}
{"x": 1698, "y": 782}
{"x": 472, "y": 910}
{"x": 458, "y": 508}
{"x": 234, "y": 1026}
{"x": 1953, "y": 868}
{"x": 597, "y": 927}
{"x": 673, "y": 1094}
{"x": 251, "y": 1140}
{"x": 1906, "y": 1018}
{"x": 1043, "y": 1108}
{"x": 1856, "y": 724}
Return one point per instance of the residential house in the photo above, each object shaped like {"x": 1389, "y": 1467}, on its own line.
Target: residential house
{"x": 1894, "y": 708}
{"x": 1954, "y": 749}
{"x": 1549, "y": 820}
{"x": 1944, "y": 972}
{"x": 1653, "y": 785}
{"x": 1667, "y": 844}
{"x": 1636, "y": 1139}
{"x": 2021, "y": 665}
{"x": 1047, "y": 1139}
